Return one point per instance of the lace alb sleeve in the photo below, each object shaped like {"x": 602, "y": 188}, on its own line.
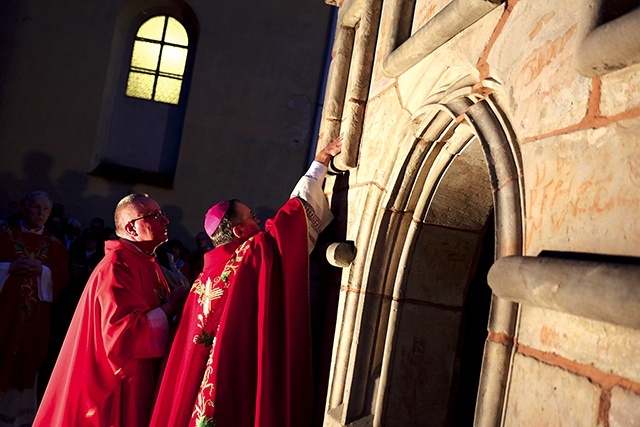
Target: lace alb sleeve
{"x": 309, "y": 190}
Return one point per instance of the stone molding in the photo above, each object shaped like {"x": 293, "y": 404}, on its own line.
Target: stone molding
{"x": 445, "y": 25}
{"x": 610, "y": 46}
{"x": 442, "y": 130}
{"x": 603, "y": 291}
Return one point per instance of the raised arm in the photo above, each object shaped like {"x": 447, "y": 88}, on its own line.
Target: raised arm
{"x": 309, "y": 189}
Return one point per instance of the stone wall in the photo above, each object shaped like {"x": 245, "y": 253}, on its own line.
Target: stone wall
{"x": 566, "y": 181}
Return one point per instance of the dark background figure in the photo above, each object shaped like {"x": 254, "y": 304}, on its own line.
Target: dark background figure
{"x": 110, "y": 234}
{"x": 33, "y": 272}
{"x": 57, "y": 221}
{"x": 196, "y": 260}
{"x": 72, "y": 231}
{"x": 174, "y": 256}
{"x": 97, "y": 224}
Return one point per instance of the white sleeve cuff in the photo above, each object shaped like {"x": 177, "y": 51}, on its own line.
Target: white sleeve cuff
{"x": 310, "y": 182}
{"x": 159, "y": 326}
{"x": 317, "y": 171}
{"x": 309, "y": 188}
{"x": 45, "y": 285}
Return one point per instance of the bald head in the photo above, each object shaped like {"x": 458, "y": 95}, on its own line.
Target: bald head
{"x": 139, "y": 219}
{"x": 127, "y": 209}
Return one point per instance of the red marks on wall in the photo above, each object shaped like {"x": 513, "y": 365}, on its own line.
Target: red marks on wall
{"x": 542, "y": 57}
{"x": 605, "y": 380}
{"x": 551, "y": 337}
{"x": 540, "y": 24}
{"x": 483, "y": 65}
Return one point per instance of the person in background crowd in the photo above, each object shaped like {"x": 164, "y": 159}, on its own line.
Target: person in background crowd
{"x": 165, "y": 256}
{"x": 33, "y": 272}
{"x": 57, "y": 222}
{"x": 110, "y": 234}
{"x": 98, "y": 226}
{"x": 196, "y": 260}
{"x": 72, "y": 231}
{"x": 107, "y": 369}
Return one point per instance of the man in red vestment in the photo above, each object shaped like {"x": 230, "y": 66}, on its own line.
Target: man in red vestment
{"x": 242, "y": 351}
{"x": 107, "y": 369}
{"x": 33, "y": 271}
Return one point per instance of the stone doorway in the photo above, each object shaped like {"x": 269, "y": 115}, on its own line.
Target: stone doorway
{"x": 400, "y": 356}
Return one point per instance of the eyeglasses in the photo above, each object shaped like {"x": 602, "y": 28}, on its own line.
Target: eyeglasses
{"x": 155, "y": 216}
{"x": 252, "y": 215}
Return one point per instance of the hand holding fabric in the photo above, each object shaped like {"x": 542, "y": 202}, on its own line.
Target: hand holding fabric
{"x": 26, "y": 265}
{"x": 176, "y": 301}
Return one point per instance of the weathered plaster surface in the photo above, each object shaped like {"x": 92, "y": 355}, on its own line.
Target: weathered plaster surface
{"x": 532, "y": 57}
{"x": 609, "y": 348}
{"x": 425, "y": 10}
{"x": 582, "y": 191}
{"x": 625, "y": 408}
{"x": 381, "y": 137}
{"x": 543, "y": 395}
{"x": 620, "y": 91}
{"x": 424, "y": 353}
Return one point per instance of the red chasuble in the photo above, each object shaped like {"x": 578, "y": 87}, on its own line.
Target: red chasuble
{"x": 107, "y": 369}
{"x": 24, "y": 319}
{"x": 242, "y": 352}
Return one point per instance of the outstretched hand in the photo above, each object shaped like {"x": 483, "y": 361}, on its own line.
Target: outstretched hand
{"x": 331, "y": 150}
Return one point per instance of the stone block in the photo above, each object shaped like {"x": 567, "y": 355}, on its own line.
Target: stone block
{"x": 625, "y": 408}
{"x": 356, "y": 198}
{"x": 473, "y": 41}
{"x": 386, "y": 125}
{"x": 543, "y": 395}
{"x": 427, "y": 81}
{"x": 441, "y": 265}
{"x": 533, "y": 59}
{"x": 581, "y": 191}
{"x": 422, "y": 368}
{"x": 605, "y": 347}
{"x": 620, "y": 91}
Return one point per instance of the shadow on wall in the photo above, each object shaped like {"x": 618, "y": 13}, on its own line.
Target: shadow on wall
{"x": 325, "y": 283}
{"x": 14, "y": 14}
{"x": 68, "y": 189}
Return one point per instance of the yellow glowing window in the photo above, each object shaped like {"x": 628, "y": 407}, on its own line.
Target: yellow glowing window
{"x": 158, "y": 60}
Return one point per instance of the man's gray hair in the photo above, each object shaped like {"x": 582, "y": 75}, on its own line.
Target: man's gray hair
{"x": 34, "y": 195}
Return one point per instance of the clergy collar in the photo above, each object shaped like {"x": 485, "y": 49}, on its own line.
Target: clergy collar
{"x": 26, "y": 229}
{"x": 138, "y": 248}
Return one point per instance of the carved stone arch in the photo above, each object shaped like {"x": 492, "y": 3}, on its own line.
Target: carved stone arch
{"x": 457, "y": 165}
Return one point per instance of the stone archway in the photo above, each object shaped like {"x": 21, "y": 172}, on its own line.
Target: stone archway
{"x": 391, "y": 366}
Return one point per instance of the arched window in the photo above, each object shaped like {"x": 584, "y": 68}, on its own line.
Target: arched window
{"x": 144, "y": 105}
{"x": 158, "y": 60}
